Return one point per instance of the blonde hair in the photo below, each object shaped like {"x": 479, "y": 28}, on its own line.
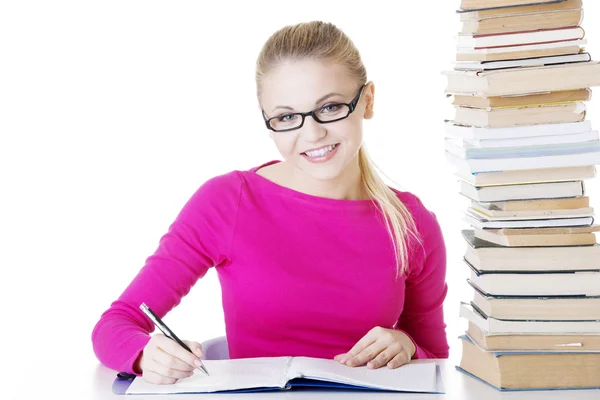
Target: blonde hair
{"x": 325, "y": 42}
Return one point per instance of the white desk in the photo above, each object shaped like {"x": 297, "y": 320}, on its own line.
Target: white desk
{"x": 456, "y": 384}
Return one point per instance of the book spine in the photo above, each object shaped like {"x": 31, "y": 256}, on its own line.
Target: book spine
{"x": 468, "y": 132}
{"x": 508, "y": 164}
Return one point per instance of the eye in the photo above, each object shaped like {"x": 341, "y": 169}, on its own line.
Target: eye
{"x": 286, "y": 118}
{"x": 330, "y": 108}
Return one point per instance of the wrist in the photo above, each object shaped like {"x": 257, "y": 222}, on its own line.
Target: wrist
{"x": 413, "y": 347}
{"x": 137, "y": 368}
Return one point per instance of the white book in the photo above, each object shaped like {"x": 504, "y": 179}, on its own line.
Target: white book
{"x": 518, "y": 132}
{"x": 529, "y": 223}
{"x": 521, "y": 38}
{"x": 519, "y": 48}
{"x": 552, "y": 283}
{"x": 473, "y": 166}
{"x": 504, "y": 326}
{"x": 524, "y": 62}
{"x": 467, "y": 151}
{"x": 277, "y": 373}
{"x": 528, "y": 191}
{"x": 533, "y": 141}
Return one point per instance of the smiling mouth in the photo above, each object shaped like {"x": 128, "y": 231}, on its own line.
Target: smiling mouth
{"x": 335, "y": 146}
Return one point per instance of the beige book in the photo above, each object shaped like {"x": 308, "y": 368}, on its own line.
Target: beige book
{"x": 531, "y": 176}
{"x": 522, "y": 192}
{"x": 522, "y": 22}
{"x": 507, "y": 11}
{"x": 492, "y": 215}
{"x": 486, "y": 256}
{"x": 524, "y": 80}
{"x": 546, "y": 231}
{"x": 532, "y": 371}
{"x": 478, "y": 4}
{"x": 539, "y": 308}
{"x": 506, "y": 117}
{"x": 518, "y": 52}
{"x": 526, "y": 240}
{"x": 524, "y": 342}
{"x": 536, "y": 205}
{"x": 558, "y": 97}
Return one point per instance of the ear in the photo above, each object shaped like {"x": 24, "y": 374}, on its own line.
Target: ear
{"x": 369, "y": 93}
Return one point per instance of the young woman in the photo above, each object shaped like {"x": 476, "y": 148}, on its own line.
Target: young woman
{"x": 315, "y": 254}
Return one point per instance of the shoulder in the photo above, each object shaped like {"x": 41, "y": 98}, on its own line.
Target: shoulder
{"x": 429, "y": 232}
{"x": 422, "y": 215}
{"x": 220, "y": 192}
{"x": 224, "y": 184}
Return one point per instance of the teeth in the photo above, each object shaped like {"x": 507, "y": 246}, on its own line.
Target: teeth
{"x": 321, "y": 152}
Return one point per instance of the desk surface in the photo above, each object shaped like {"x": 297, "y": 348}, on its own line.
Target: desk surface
{"x": 456, "y": 384}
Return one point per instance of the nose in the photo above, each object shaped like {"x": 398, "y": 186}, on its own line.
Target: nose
{"x": 312, "y": 131}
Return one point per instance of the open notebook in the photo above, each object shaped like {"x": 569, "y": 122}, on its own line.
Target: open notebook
{"x": 283, "y": 373}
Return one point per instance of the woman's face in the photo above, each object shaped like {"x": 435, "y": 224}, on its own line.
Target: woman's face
{"x": 303, "y": 86}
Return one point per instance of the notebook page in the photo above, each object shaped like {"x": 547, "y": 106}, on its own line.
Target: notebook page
{"x": 413, "y": 377}
{"x": 242, "y": 373}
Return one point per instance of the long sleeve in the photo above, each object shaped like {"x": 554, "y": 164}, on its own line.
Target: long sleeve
{"x": 199, "y": 238}
{"x": 423, "y": 316}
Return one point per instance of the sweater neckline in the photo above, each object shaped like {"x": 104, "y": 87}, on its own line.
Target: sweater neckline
{"x": 284, "y": 190}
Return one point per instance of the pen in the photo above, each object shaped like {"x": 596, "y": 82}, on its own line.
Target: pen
{"x": 165, "y": 329}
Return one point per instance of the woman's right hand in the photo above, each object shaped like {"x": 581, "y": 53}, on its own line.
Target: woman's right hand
{"x": 164, "y": 361}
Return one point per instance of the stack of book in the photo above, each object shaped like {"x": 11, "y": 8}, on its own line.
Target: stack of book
{"x": 522, "y": 151}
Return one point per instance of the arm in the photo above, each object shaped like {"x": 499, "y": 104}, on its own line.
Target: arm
{"x": 199, "y": 238}
{"x": 422, "y": 319}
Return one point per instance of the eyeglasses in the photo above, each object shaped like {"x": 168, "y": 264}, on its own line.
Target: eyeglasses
{"x": 329, "y": 113}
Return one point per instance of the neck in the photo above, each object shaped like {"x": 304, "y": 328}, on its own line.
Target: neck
{"x": 347, "y": 186}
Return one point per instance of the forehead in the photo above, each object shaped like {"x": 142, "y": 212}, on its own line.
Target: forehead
{"x": 299, "y": 84}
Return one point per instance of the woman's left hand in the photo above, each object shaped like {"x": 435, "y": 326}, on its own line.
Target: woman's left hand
{"x": 380, "y": 347}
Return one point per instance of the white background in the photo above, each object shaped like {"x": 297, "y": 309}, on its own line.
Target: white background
{"x": 112, "y": 113}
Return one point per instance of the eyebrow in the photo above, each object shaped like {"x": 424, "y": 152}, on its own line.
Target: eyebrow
{"x": 316, "y": 102}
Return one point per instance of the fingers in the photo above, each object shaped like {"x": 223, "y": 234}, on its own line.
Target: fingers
{"x": 195, "y": 347}
{"x": 366, "y": 354}
{"x": 399, "y": 360}
{"x": 359, "y": 347}
{"x": 169, "y": 372}
{"x": 386, "y": 356}
{"x": 173, "y": 348}
{"x": 377, "y": 348}
{"x": 168, "y": 361}
{"x": 164, "y": 361}
{"x": 153, "y": 377}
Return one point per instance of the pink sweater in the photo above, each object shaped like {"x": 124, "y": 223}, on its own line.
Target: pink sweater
{"x": 300, "y": 275}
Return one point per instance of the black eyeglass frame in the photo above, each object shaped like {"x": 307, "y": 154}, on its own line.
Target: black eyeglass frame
{"x": 351, "y": 107}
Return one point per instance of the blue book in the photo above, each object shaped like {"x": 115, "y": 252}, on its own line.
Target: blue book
{"x": 468, "y": 151}
{"x": 286, "y": 373}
